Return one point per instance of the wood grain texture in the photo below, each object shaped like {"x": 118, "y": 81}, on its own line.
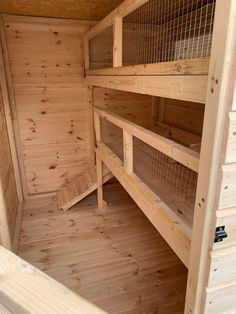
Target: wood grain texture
{"x": 115, "y": 259}
{"x": 25, "y": 289}
{"x": 74, "y": 191}
{"x": 51, "y": 97}
{"x": 86, "y": 10}
{"x": 6, "y": 172}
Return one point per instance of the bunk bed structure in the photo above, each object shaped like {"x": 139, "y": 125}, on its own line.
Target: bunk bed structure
{"x": 179, "y": 53}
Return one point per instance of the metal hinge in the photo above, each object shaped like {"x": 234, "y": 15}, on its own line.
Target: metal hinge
{"x": 220, "y": 234}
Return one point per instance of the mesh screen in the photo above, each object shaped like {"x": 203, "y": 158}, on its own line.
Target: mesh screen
{"x": 112, "y": 136}
{"x": 174, "y": 183}
{"x": 101, "y": 50}
{"x": 167, "y": 30}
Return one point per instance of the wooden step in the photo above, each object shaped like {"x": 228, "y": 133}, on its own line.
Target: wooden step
{"x": 80, "y": 187}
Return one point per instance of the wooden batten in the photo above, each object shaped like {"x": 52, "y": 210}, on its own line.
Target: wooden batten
{"x": 171, "y": 227}
{"x": 180, "y": 67}
{"x": 176, "y": 151}
{"x": 5, "y": 234}
{"x": 121, "y": 11}
{"x": 191, "y": 88}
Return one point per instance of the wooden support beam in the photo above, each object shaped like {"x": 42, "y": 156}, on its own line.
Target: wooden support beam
{"x": 10, "y": 130}
{"x": 122, "y": 10}
{"x": 86, "y": 54}
{"x": 180, "y": 67}
{"x": 176, "y": 233}
{"x": 13, "y": 111}
{"x": 25, "y": 289}
{"x": 183, "y": 155}
{"x": 187, "y": 87}
{"x": 5, "y": 235}
{"x": 99, "y": 166}
{"x": 117, "y": 42}
{"x": 223, "y": 45}
{"x": 128, "y": 151}
{"x": 97, "y": 126}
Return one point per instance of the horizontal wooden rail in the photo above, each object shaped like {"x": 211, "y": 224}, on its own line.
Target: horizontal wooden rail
{"x": 180, "y": 67}
{"x": 182, "y": 87}
{"x": 176, "y": 233}
{"x": 181, "y": 154}
{"x": 25, "y": 289}
{"x": 121, "y": 11}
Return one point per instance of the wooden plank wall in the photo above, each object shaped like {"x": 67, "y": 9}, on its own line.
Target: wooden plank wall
{"x": 220, "y": 294}
{"x": 131, "y": 106}
{"x": 6, "y": 172}
{"x": 52, "y": 108}
{"x": 134, "y": 107}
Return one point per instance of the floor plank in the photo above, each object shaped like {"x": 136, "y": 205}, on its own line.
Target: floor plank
{"x": 114, "y": 258}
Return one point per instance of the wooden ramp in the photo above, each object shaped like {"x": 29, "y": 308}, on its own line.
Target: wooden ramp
{"x": 79, "y": 188}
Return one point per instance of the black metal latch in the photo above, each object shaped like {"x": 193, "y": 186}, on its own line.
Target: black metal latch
{"x": 220, "y": 234}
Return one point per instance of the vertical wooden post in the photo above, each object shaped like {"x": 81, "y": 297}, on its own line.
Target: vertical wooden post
{"x": 223, "y": 41}
{"x": 5, "y": 236}
{"x": 128, "y": 151}
{"x": 13, "y": 109}
{"x": 99, "y": 163}
{"x": 91, "y": 124}
{"x": 86, "y": 54}
{"x": 9, "y": 124}
{"x": 117, "y": 42}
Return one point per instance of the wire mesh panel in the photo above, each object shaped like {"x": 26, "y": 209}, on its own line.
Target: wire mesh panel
{"x": 167, "y": 30}
{"x": 101, "y": 50}
{"x": 174, "y": 183}
{"x": 112, "y": 136}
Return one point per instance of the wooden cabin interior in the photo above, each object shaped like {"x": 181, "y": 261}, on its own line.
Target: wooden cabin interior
{"x": 118, "y": 156}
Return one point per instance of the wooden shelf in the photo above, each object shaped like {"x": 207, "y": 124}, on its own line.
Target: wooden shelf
{"x": 183, "y": 87}
{"x": 199, "y": 66}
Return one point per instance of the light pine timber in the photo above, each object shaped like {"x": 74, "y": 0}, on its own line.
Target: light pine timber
{"x": 117, "y": 42}
{"x": 47, "y": 66}
{"x": 9, "y": 123}
{"x": 121, "y": 11}
{"x": 25, "y": 288}
{"x": 180, "y": 67}
{"x": 185, "y": 87}
{"x": 114, "y": 258}
{"x": 176, "y": 233}
{"x": 176, "y": 151}
{"x": 216, "y": 112}
{"x": 18, "y": 162}
{"x": 5, "y": 234}
{"x": 80, "y": 187}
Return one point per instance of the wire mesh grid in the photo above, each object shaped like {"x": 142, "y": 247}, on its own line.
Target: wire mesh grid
{"x": 112, "y": 136}
{"x": 101, "y": 49}
{"x": 167, "y": 30}
{"x": 174, "y": 183}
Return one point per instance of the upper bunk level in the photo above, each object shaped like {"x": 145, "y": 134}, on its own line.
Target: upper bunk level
{"x": 142, "y": 40}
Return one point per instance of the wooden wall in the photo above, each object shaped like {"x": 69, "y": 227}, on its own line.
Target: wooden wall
{"x": 134, "y": 107}
{"x": 52, "y": 109}
{"x": 7, "y": 177}
{"x": 220, "y": 293}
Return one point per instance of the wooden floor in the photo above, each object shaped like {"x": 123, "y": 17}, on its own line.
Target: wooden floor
{"x": 116, "y": 258}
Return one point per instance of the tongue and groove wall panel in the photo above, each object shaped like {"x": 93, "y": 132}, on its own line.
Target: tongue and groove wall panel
{"x": 51, "y": 99}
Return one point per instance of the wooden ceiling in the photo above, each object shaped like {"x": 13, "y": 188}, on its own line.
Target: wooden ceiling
{"x": 76, "y": 9}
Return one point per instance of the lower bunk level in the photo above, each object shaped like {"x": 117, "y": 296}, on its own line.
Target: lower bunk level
{"x": 114, "y": 257}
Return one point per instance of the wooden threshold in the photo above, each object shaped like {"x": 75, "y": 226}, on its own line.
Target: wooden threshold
{"x": 199, "y": 66}
{"x": 176, "y": 233}
{"x": 183, "y": 87}
{"x": 179, "y": 153}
